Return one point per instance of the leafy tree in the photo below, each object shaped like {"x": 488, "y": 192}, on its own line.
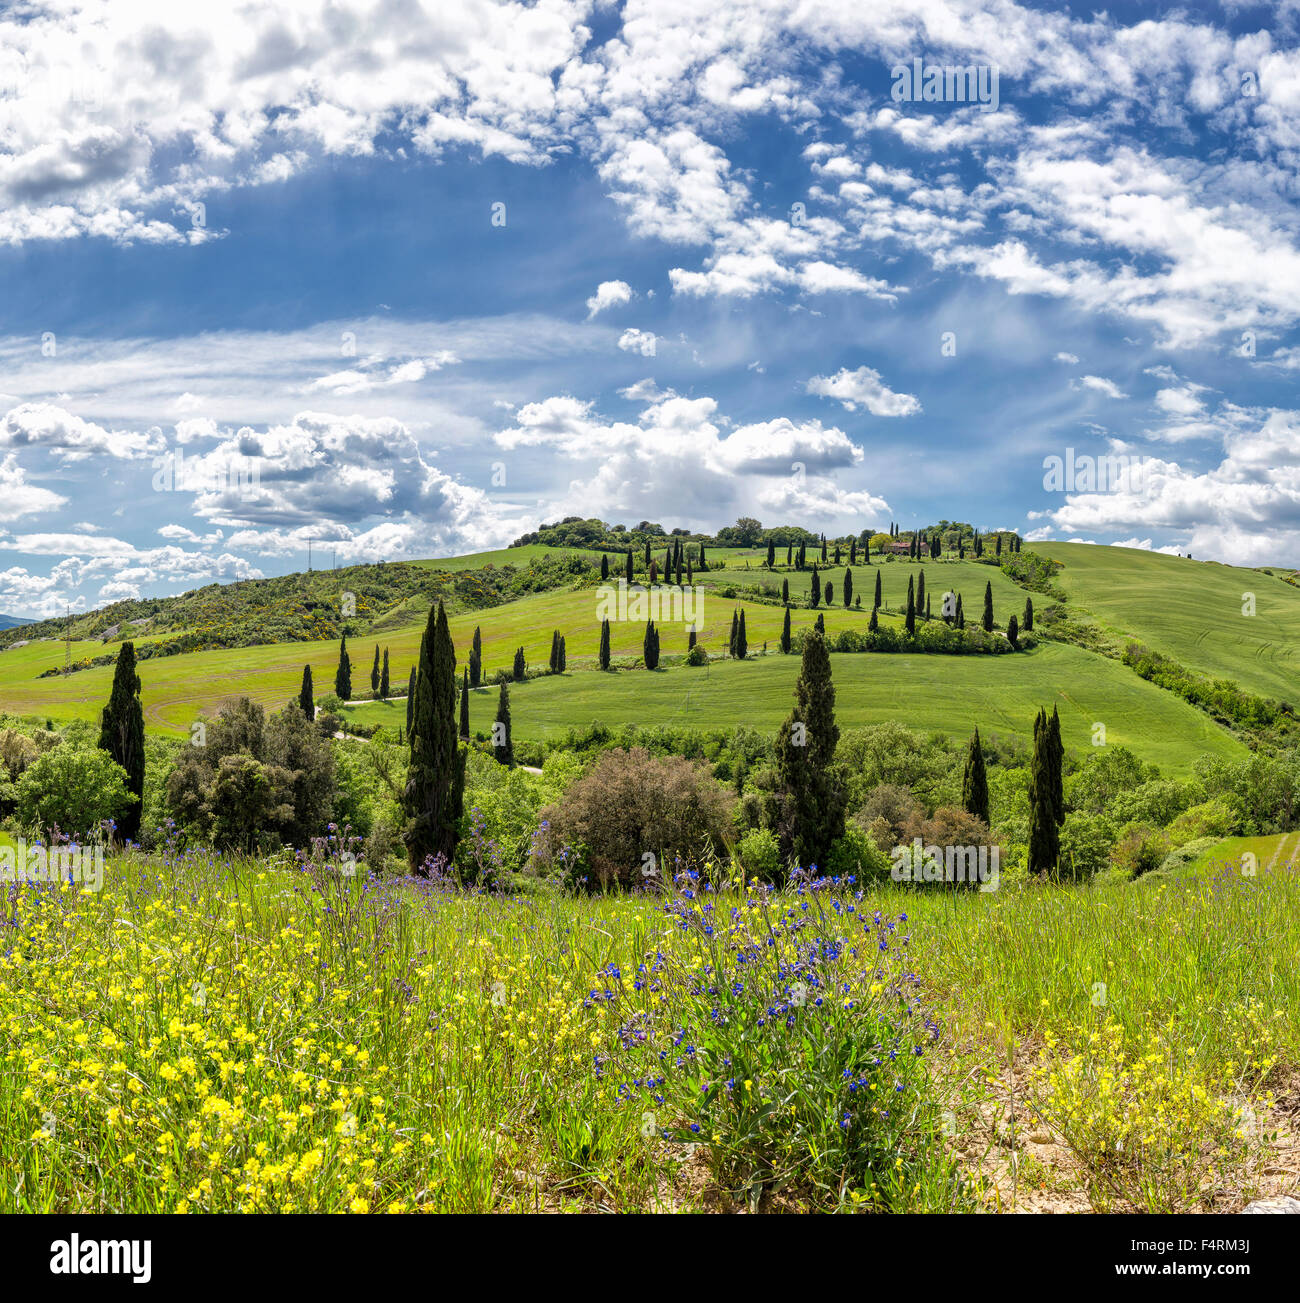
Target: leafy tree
{"x": 74, "y": 789}
{"x": 306, "y": 696}
{"x": 974, "y": 782}
{"x": 435, "y": 781}
{"x": 343, "y": 675}
{"x": 503, "y": 748}
{"x": 812, "y": 794}
{"x": 121, "y": 734}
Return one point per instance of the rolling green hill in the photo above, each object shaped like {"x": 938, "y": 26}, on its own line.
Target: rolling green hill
{"x": 1191, "y": 611}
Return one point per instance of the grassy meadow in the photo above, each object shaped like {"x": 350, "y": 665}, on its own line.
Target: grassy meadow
{"x": 250, "y": 1035}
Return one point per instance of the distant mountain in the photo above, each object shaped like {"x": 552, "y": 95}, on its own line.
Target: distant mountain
{"x": 12, "y": 621}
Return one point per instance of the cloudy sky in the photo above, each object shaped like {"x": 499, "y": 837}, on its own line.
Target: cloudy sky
{"x": 406, "y": 278}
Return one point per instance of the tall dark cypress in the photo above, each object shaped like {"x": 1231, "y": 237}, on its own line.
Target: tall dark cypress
{"x": 1058, "y": 766}
{"x": 811, "y": 785}
{"x": 650, "y": 646}
{"x": 1044, "y": 835}
{"x": 307, "y": 694}
{"x": 374, "y": 674}
{"x": 476, "y": 658}
{"x": 520, "y": 668}
{"x": 815, "y": 594}
{"x": 627, "y": 567}
{"x": 343, "y": 675}
{"x": 785, "y": 592}
{"x": 877, "y": 601}
{"x": 1013, "y": 632}
{"x": 959, "y": 619}
{"x": 385, "y": 687}
{"x": 604, "y": 565}
{"x": 848, "y": 588}
{"x": 920, "y": 590}
{"x": 789, "y": 554}
{"x": 555, "y": 651}
{"x": 604, "y": 642}
{"x": 121, "y": 734}
{"x": 785, "y": 633}
{"x": 1027, "y": 624}
{"x": 910, "y": 618}
{"x": 435, "y": 784}
{"x": 731, "y": 638}
{"x": 988, "y": 607}
{"x": 974, "y": 781}
{"x": 771, "y": 554}
{"x": 742, "y": 640}
{"x": 564, "y": 656}
{"x": 503, "y": 747}
{"x": 410, "y": 698}
{"x": 464, "y": 707}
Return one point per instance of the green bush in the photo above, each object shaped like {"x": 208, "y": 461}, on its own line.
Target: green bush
{"x": 1214, "y": 818}
{"x": 856, "y": 853}
{"x": 760, "y": 855}
{"x": 1086, "y": 842}
{"x": 1140, "y": 848}
{"x": 72, "y": 788}
{"x": 697, "y": 655}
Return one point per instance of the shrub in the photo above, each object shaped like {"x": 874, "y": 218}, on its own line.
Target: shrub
{"x": 887, "y": 811}
{"x": 1086, "y": 842}
{"x": 697, "y": 655}
{"x": 630, "y": 803}
{"x": 1140, "y": 848}
{"x": 760, "y": 855}
{"x": 72, "y": 788}
{"x": 1214, "y": 818}
{"x": 856, "y": 853}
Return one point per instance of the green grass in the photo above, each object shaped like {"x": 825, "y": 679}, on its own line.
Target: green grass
{"x": 947, "y": 694}
{"x": 237, "y": 1046}
{"x": 1191, "y": 611}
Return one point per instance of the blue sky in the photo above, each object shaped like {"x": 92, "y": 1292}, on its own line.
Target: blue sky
{"x": 733, "y": 275}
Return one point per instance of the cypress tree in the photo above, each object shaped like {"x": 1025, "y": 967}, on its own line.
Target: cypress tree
{"x": 650, "y": 646}
{"x": 564, "y": 655}
{"x": 121, "y": 734}
{"x": 555, "y": 651}
{"x": 789, "y": 554}
{"x": 520, "y": 669}
{"x": 910, "y": 620}
{"x": 816, "y": 591}
{"x": 820, "y": 623}
{"x": 435, "y": 783}
{"x": 877, "y": 602}
{"x": 385, "y": 687}
{"x": 604, "y": 643}
{"x": 679, "y": 565}
{"x": 960, "y": 619}
{"x": 811, "y": 785}
{"x": 343, "y": 675}
{"x": 306, "y": 694}
{"x": 874, "y": 623}
{"x": 829, "y": 593}
{"x": 742, "y": 641}
{"x": 785, "y": 633}
{"x": 771, "y": 554}
{"x": 464, "y": 707}
{"x": 1013, "y": 633}
{"x": 374, "y": 674}
{"x": 1028, "y": 622}
{"x": 974, "y": 782}
{"x": 920, "y": 590}
{"x": 927, "y": 608}
{"x": 503, "y": 749}
{"x": 410, "y": 698}
{"x": 476, "y": 659}
{"x": 704, "y": 565}
{"x": 848, "y": 588}
{"x": 627, "y": 569}
{"x": 853, "y": 551}
{"x": 997, "y": 548}
{"x": 604, "y": 565}
{"x": 785, "y": 592}
{"x": 1058, "y": 766}
{"x": 691, "y": 638}
{"x": 1044, "y": 835}
{"x": 824, "y": 556}
{"x": 988, "y": 607}
{"x": 647, "y": 554}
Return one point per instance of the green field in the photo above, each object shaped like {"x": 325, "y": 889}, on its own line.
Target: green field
{"x": 947, "y": 694}
{"x": 1191, "y": 611}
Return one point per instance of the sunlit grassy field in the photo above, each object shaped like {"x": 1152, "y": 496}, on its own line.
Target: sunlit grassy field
{"x": 245, "y": 1036}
